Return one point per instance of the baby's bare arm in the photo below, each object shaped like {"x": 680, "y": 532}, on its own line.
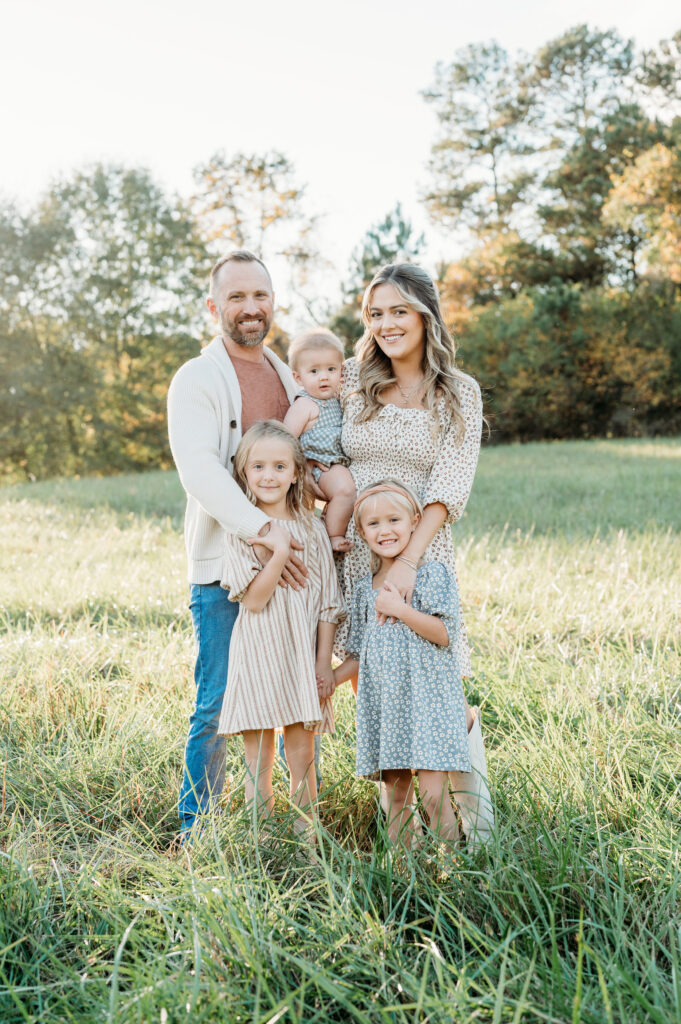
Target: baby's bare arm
{"x": 301, "y": 416}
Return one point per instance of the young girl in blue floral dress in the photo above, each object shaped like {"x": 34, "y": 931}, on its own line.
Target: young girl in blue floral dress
{"x": 411, "y": 713}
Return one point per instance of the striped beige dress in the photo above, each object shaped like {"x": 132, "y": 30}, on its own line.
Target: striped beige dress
{"x": 271, "y": 679}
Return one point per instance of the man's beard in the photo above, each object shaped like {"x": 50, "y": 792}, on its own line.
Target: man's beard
{"x": 231, "y": 329}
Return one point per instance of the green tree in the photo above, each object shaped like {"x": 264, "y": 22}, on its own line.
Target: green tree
{"x": 646, "y": 199}
{"x": 45, "y": 381}
{"x": 479, "y": 161}
{"x": 592, "y": 127}
{"x": 529, "y": 150}
{"x": 660, "y": 73}
{"x": 391, "y": 240}
{"x": 566, "y": 361}
{"x": 133, "y": 280}
{"x": 105, "y": 299}
{"x": 255, "y": 201}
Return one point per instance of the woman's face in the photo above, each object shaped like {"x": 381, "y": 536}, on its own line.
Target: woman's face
{"x": 396, "y": 326}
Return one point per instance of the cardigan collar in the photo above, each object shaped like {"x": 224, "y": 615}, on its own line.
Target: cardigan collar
{"x": 217, "y": 352}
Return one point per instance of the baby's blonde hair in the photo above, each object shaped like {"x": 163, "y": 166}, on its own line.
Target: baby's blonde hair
{"x": 299, "y": 499}
{"x": 315, "y": 340}
{"x": 400, "y": 493}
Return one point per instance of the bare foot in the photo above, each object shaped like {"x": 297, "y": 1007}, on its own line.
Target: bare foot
{"x": 340, "y": 543}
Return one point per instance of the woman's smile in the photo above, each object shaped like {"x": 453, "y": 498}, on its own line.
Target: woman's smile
{"x": 396, "y": 326}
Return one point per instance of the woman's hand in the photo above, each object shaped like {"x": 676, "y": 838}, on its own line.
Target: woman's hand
{"x": 403, "y": 578}
{"x": 389, "y": 602}
{"x": 295, "y": 571}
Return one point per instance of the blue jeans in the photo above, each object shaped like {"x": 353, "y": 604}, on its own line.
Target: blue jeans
{"x": 213, "y": 616}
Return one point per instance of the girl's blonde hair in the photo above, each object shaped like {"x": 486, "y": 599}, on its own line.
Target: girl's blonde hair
{"x": 315, "y": 340}
{"x": 441, "y": 377}
{"x": 400, "y": 493}
{"x": 299, "y": 500}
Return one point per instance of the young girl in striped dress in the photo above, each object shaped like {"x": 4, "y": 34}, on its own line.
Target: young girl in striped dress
{"x": 280, "y": 655}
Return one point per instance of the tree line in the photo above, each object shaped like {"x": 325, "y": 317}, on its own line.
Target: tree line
{"x": 557, "y": 173}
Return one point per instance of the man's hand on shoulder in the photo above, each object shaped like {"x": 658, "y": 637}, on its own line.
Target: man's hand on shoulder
{"x": 295, "y": 571}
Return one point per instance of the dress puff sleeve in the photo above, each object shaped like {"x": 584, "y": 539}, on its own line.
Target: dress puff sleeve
{"x": 436, "y": 593}
{"x": 240, "y": 567}
{"x": 331, "y": 607}
{"x": 451, "y": 477}
{"x": 361, "y": 596}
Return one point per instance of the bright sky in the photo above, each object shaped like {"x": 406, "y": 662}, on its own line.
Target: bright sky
{"x": 335, "y": 86}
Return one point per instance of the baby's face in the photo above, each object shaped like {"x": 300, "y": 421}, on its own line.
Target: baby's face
{"x": 319, "y": 372}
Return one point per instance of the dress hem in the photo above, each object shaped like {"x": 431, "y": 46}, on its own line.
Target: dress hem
{"x": 375, "y": 776}
{"x": 315, "y": 725}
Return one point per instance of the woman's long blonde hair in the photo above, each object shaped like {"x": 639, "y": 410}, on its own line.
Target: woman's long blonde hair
{"x": 299, "y": 499}
{"x": 441, "y": 377}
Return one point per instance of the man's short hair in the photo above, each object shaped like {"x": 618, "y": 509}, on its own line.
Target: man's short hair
{"x": 238, "y": 256}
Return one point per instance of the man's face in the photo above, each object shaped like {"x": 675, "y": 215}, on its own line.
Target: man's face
{"x": 244, "y": 303}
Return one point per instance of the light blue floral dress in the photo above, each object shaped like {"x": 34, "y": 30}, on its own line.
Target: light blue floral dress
{"x": 410, "y": 703}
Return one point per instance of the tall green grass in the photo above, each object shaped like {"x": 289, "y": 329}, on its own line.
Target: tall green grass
{"x": 569, "y": 560}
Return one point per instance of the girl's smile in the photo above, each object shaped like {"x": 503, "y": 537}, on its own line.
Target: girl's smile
{"x": 386, "y": 526}
{"x": 270, "y": 470}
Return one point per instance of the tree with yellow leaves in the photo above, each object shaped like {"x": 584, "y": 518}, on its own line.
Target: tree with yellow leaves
{"x": 646, "y": 198}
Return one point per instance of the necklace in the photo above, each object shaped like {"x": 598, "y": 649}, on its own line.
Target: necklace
{"x": 408, "y": 392}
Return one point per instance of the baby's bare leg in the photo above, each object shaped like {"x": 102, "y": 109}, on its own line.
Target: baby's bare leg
{"x": 338, "y": 487}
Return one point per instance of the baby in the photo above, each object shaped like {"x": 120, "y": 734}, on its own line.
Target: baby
{"x": 316, "y": 358}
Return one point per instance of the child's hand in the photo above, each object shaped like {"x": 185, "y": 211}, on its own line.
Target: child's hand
{"x": 277, "y": 540}
{"x": 326, "y": 681}
{"x": 311, "y": 482}
{"x": 389, "y": 601}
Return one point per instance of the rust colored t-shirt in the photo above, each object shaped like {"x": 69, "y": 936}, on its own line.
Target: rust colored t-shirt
{"x": 263, "y": 396}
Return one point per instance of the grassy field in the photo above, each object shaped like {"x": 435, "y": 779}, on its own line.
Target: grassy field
{"x": 569, "y": 560}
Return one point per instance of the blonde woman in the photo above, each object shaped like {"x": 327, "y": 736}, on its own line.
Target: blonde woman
{"x": 409, "y": 413}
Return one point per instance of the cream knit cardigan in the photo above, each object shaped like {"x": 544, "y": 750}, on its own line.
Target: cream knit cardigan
{"x": 204, "y": 426}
